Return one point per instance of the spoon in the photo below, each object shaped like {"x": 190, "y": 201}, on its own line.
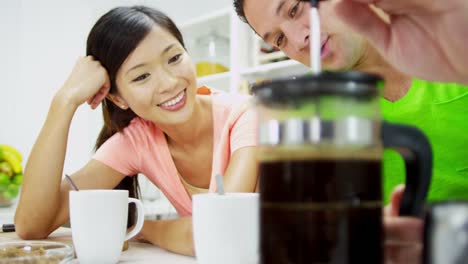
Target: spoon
{"x": 315, "y": 45}
{"x": 71, "y": 182}
{"x": 220, "y": 183}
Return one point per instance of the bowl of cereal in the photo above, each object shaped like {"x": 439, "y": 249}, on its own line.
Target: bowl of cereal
{"x": 35, "y": 252}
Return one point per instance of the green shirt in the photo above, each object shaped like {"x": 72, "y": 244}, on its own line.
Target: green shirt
{"x": 441, "y": 112}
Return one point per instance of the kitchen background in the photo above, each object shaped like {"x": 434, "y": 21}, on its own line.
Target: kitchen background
{"x": 41, "y": 40}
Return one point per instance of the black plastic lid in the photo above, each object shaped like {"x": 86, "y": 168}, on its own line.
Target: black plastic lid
{"x": 345, "y": 84}
{"x": 313, "y": 3}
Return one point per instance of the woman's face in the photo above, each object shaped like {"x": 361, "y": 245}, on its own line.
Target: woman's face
{"x": 285, "y": 24}
{"x": 158, "y": 80}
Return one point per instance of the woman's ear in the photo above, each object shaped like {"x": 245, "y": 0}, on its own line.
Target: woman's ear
{"x": 118, "y": 101}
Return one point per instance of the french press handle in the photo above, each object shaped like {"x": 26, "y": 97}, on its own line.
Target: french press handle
{"x": 416, "y": 151}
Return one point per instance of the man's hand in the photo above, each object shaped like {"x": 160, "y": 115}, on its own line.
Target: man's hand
{"x": 403, "y": 235}
{"x": 424, "y": 38}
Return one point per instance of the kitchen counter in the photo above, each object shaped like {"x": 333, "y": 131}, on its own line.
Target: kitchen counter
{"x": 136, "y": 253}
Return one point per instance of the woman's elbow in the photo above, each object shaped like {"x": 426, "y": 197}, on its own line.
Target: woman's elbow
{"x": 27, "y": 230}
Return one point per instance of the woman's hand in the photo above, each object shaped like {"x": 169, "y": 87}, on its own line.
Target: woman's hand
{"x": 88, "y": 82}
{"x": 140, "y": 238}
{"x": 403, "y": 235}
{"x": 425, "y": 38}
{"x": 175, "y": 235}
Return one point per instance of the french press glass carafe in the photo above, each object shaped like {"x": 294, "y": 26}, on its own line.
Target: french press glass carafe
{"x": 320, "y": 157}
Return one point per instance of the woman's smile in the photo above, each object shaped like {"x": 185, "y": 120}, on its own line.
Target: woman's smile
{"x": 175, "y": 103}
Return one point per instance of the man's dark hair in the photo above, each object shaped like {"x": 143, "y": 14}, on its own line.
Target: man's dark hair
{"x": 239, "y": 7}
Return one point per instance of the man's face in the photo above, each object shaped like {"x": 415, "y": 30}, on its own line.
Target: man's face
{"x": 285, "y": 24}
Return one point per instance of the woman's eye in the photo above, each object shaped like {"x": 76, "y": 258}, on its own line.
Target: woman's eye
{"x": 175, "y": 58}
{"x": 141, "y": 77}
{"x": 279, "y": 40}
{"x": 293, "y": 11}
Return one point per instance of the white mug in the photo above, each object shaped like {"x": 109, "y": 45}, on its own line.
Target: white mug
{"x": 98, "y": 221}
{"x": 226, "y": 228}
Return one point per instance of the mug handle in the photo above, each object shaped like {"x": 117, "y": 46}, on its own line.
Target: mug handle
{"x": 140, "y": 218}
{"x": 416, "y": 151}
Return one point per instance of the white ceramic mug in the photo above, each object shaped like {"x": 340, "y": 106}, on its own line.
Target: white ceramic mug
{"x": 226, "y": 228}
{"x": 98, "y": 221}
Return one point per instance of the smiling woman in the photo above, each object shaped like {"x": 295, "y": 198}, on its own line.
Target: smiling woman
{"x": 155, "y": 123}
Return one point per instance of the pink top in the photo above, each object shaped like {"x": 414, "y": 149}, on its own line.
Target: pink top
{"x": 142, "y": 148}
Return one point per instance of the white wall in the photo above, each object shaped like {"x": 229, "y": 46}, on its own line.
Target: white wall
{"x": 40, "y": 41}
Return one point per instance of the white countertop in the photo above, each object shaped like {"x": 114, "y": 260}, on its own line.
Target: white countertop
{"x": 137, "y": 252}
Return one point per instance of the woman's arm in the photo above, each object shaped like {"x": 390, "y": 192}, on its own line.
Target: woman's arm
{"x": 177, "y": 235}
{"x": 42, "y": 196}
{"x": 173, "y": 235}
{"x": 40, "y": 192}
{"x": 241, "y": 173}
{"x": 36, "y": 219}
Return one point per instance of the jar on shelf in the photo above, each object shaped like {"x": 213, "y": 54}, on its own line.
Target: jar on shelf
{"x": 211, "y": 54}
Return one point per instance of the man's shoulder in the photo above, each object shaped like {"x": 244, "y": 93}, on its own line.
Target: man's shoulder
{"x": 441, "y": 92}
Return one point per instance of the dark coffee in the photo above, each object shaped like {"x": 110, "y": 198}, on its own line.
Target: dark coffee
{"x": 320, "y": 210}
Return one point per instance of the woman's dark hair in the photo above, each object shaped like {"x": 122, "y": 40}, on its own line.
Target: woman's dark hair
{"x": 111, "y": 40}
{"x": 239, "y": 7}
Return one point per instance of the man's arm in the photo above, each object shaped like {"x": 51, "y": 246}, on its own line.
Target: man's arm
{"x": 426, "y": 39}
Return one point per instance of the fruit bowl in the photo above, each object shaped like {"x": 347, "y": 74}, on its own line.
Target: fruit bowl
{"x": 11, "y": 174}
